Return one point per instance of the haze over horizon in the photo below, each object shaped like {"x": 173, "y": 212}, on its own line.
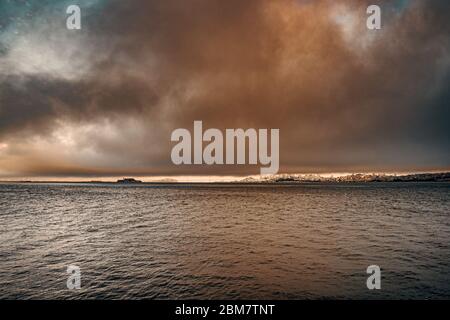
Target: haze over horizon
{"x": 102, "y": 101}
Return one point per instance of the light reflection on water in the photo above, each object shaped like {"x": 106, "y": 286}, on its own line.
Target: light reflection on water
{"x": 272, "y": 242}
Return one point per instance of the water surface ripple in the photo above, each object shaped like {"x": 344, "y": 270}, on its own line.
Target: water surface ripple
{"x": 272, "y": 242}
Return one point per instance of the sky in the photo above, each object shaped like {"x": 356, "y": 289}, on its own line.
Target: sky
{"x": 102, "y": 101}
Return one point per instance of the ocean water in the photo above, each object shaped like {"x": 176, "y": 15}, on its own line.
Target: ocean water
{"x": 312, "y": 241}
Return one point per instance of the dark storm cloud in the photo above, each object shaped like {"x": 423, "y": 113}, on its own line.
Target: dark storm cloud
{"x": 344, "y": 97}
{"x": 36, "y": 104}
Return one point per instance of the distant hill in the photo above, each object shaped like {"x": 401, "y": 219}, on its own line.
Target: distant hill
{"x": 357, "y": 177}
{"x": 129, "y": 180}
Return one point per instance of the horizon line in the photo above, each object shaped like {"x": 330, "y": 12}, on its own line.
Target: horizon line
{"x": 207, "y": 178}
